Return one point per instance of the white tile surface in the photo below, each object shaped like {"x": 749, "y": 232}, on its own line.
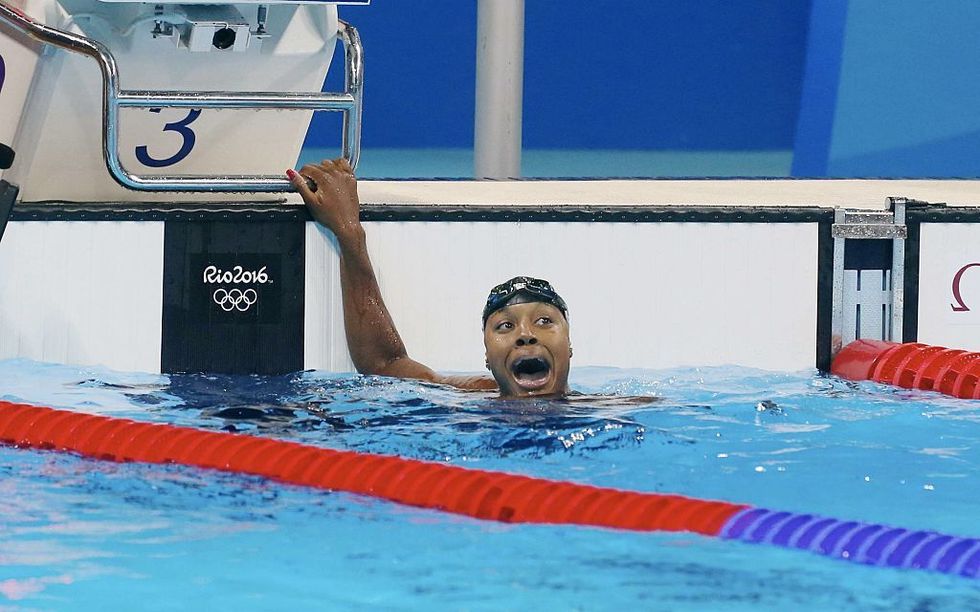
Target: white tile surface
{"x": 944, "y": 249}
{"x": 325, "y": 344}
{"x": 82, "y": 293}
{"x": 640, "y": 295}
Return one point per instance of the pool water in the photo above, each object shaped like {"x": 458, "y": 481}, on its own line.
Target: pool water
{"x": 78, "y": 534}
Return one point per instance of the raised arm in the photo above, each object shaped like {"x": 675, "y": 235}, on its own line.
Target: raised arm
{"x": 372, "y": 339}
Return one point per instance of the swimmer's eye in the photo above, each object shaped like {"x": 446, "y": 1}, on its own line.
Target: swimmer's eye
{"x": 545, "y": 321}
{"x": 504, "y": 326}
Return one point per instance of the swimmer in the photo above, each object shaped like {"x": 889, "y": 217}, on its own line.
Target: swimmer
{"x": 525, "y": 322}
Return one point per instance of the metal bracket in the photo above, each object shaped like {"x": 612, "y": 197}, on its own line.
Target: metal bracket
{"x": 870, "y": 225}
{"x": 864, "y": 224}
{"x": 113, "y": 98}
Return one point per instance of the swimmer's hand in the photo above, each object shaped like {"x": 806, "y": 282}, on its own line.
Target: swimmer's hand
{"x": 334, "y": 203}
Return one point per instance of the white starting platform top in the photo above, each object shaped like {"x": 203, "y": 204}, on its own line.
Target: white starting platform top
{"x": 167, "y": 97}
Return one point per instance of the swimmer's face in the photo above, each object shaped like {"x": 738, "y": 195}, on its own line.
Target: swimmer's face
{"x": 528, "y": 350}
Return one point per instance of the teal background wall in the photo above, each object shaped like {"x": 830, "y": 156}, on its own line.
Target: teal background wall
{"x": 656, "y": 74}
{"x": 907, "y": 100}
{"x": 845, "y": 88}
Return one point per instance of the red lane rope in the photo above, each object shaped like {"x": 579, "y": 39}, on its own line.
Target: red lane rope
{"x": 912, "y": 366}
{"x": 477, "y": 493}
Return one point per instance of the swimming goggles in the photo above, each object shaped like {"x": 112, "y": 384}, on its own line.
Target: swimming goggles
{"x": 535, "y": 287}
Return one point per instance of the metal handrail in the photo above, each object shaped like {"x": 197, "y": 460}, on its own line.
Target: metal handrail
{"x": 113, "y": 98}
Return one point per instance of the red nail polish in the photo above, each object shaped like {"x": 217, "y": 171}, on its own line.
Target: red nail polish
{"x": 291, "y": 173}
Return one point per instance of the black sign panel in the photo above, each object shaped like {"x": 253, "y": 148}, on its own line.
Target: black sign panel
{"x": 233, "y": 296}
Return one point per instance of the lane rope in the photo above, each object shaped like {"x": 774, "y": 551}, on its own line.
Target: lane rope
{"x": 912, "y": 366}
{"x": 480, "y": 494}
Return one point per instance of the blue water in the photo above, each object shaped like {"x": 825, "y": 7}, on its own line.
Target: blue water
{"x": 82, "y": 534}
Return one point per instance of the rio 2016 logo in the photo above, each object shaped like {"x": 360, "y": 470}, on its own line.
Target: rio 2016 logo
{"x": 960, "y": 306}
{"x": 235, "y": 298}
{"x": 238, "y": 274}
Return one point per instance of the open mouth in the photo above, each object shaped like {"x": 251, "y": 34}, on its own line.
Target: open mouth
{"x": 531, "y": 372}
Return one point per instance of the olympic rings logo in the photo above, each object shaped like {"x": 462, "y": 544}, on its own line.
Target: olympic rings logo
{"x": 235, "y": 299}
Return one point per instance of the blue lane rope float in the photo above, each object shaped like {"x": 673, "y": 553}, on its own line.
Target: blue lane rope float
{"x": 865, "y": 543}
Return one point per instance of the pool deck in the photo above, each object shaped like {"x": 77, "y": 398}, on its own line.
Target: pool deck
{"x": 850, "y": 193}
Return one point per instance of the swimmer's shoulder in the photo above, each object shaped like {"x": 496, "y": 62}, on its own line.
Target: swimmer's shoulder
{"x": 595, "y": 399}
{"x": 468, "y": 383}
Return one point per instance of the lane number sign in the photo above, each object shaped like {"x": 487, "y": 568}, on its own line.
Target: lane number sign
{"x": 189, "y": 138}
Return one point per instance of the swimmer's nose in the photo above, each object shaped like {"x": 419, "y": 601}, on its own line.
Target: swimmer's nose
{"x": 526, "y": 340}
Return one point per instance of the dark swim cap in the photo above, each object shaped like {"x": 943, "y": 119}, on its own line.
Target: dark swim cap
{"x": 534, "y": 288}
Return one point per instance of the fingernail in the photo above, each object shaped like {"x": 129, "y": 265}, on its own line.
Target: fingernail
{"x": 291, "y": 173}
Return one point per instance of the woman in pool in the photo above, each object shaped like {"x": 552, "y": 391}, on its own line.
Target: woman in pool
{"x": 525, "y": 324}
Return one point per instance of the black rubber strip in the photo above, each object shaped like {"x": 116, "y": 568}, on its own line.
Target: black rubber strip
{"x": 910, "y": 314}
{"x": 940, "y": 213}
{"x": 63, "y": 211}
{"x": 825, "y": 294}
{"x": 8, "y": 195}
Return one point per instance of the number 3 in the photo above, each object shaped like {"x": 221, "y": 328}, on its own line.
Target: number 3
{"x": 185, "y": 148}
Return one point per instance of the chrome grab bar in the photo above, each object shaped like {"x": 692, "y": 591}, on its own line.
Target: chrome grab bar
{"x": 348, "y": 102}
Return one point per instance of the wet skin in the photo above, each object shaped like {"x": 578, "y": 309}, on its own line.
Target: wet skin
{"x": 528, "y": 350}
